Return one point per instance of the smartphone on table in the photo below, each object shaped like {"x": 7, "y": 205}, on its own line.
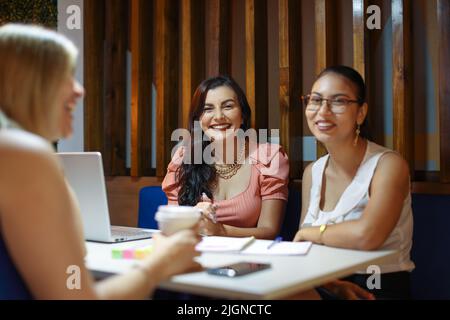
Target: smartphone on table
{"x": 238, "y": 269}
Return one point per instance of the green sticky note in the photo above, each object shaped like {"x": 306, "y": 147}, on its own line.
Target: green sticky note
{"x": 117, "y": 253}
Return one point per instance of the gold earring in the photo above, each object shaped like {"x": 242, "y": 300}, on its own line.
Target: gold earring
{"x": 358, "y": 131}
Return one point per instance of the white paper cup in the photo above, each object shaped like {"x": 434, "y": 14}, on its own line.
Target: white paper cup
{"x": 172, "y": 219}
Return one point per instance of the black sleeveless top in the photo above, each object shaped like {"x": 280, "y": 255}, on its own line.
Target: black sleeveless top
{"x": 12, "y": 285}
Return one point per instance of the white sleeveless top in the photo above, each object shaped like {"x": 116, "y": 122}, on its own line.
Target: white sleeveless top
{"x": 6, "y": 123}
{"x": 353, "y": 202}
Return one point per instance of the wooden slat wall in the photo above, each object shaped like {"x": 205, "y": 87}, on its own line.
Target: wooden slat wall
{"x": 402, "y": 80}
{"x": 166, "y": 75}
{"x": 256, "y": 61}
{"x": 94, "y": 24}
{"x": 141, "y": 87}
{"x": 443, "y": 7}
{"x": 205, "y": 51}
{"x": 217, "y": 37}
{"x": 291, "y": 113}
{"x": 325, "y": 14}
{"x": 192, "y": 52}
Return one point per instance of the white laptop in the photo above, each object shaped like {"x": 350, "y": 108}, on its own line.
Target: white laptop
{"x": 84, "y": 172}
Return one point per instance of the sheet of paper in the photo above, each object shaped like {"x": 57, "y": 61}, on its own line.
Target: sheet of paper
{"x": 223, "y": 244}
{"x": 280, "y": 248}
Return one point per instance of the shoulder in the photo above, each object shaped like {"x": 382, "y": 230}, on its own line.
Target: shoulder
{"x": 392, "y": 163}
{"x": 170, "y": 181}
{"x": 26, "y": 160}
{"x": 270, "y": 160}
{"x": 389, "y": 161}
{"x": 17, "y": 146}
{"x": 13, "y": 140}
{"x": 265, "y": 153}
{"x": 391, "y": 173}
{"x": 21, "y": 151}
{"x": 307, "y": 173}
{"x": 177, "y": 159}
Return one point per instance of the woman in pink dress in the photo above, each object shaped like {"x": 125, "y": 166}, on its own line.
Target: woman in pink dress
{"x": 242, "y": 190}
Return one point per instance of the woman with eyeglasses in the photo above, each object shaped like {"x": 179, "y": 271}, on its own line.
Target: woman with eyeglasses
{"x": 358, "y": 195}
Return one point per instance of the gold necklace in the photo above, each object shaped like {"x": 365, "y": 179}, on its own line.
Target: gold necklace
{"x": 227, "y": 171}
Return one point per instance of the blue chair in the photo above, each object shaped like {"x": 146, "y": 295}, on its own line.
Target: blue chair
{"x": 149, "y": 200}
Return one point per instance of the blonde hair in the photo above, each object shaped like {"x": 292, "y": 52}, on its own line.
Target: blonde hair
{"x": 34, "y": 63}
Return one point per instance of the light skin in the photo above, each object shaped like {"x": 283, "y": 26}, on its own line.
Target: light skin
{"x": 71, "y": 92}
{"x": 389, "y": 186}
{"x": 43, "y": 233}
{"x": 221, "y": 117}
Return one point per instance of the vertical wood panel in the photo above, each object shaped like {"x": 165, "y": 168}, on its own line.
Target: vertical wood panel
{"x": 402, "y": 80}
{"x": 93, "y": 75}
{"x": 291, "y": 113}
{"x": 362, "y": 63}
{"x": 141, "y": 87}
{"x": 116, "y": 45}
{"x": 217, "y": 37}
{"x": 359, "y": 36}
{"x": 166, "y": 40}
{"x": 325, "y": 14}
{"x": 256, "y": 61}
{"x": 443, "y": 7}
{"x": 192, "y": 52}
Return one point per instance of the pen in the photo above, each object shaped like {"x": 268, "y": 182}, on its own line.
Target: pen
{"x": 274, "y": 242}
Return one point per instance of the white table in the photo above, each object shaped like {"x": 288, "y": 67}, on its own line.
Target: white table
{"x": 287, "y": 276}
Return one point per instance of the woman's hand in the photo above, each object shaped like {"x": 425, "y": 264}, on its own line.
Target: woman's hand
{"x": 208, "y": 210}
{"x": 208, "y": 227}
{"x": 298, "y": 236}
{"x": 348, "y": 290}
{"x": 208, "y": 222}
{"x": 175, "y": 254}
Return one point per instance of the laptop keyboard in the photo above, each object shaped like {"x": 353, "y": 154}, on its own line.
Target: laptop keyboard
{"x": 129, "y": 232}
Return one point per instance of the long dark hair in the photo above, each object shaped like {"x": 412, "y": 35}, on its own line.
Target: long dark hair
{"x": 195, "y": 179}
{"x": 354, "y": 77}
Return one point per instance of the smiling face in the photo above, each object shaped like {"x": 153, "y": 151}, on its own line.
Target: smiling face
{"x": 71, "y": 92}
{"x": 222, "y": 113}
{"x": 329, "y": 127}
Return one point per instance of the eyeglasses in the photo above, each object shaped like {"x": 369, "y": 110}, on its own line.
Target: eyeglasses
{"x": 337, "y": 105}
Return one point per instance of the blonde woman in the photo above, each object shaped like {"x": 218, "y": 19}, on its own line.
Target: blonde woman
{"x": 40, "y": 230}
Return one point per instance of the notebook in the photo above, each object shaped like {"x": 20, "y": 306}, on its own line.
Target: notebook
{"x": 285, "y": 248}
{"x": 223, "y": 244}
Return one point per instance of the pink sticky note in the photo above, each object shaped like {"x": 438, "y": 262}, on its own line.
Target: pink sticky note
{"x": 128, "y": 254}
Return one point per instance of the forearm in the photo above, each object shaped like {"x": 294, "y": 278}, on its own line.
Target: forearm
{"x": 258, "y": 232}
{"x": 349, "y": 235}
{"x": 136, "y": 284}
